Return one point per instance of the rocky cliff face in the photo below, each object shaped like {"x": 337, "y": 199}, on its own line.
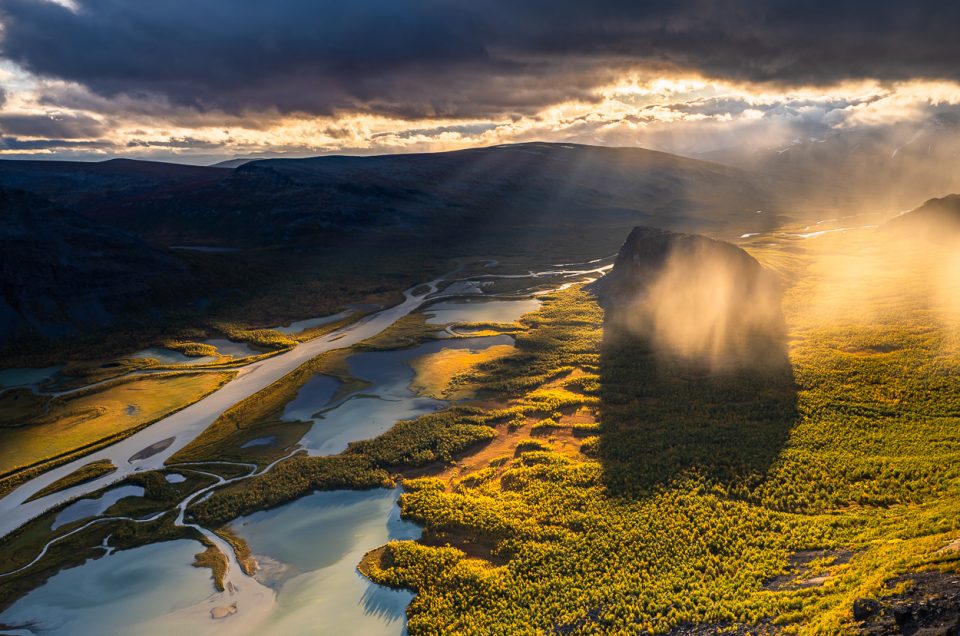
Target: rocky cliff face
{"x": 60, "y": 272}
{"x": 647, "y": 251}
{"x": 693, "y": 297}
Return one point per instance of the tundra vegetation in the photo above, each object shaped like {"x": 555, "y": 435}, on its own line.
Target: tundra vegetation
{"x": 699, "y": 488}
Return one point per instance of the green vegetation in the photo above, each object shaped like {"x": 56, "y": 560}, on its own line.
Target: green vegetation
{"x": 703, "y": 485}
{"x": 240, "y": 548}
{"x": 443, "y": 375}
{"x": 266, "y": 339}
{"x": 93, "y": 470}
{"x": 188, "y": 348}
{"x": 214, "y": 559}
{"x": 407, "y": 332}
{"x": 20, "y": 405}
{"x": 298, "y": 476}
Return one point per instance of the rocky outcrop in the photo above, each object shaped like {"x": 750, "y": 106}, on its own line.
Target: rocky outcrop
{"x": 691, "y": 297}
{"x": 930, "y": 606}
{"x": 647, "y": 251}
{"x": 61, "y": 272}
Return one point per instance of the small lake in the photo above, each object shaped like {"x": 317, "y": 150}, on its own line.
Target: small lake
{"x": 26, "y": 377}
{"x": 296, "y": 328}
{"x": 84, "y": 508}
{"x": 311, "y": 398}
{"x": 230, "y": 348}
{"x": 308, "y": 551}
{"x": 116, "y": 594}
{"x": 261, "y": 441}
{"x": 372, "y": 411}
{"x": 479, "y": 310}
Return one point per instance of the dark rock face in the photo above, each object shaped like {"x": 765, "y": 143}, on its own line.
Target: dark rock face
{"x": 937, "y": 220}
{"x": 864, "y": 608}
{"x": 648, "y": 249}
{"x": 60, "y": 272}
{"x": 929, "y": 607}
{"x": 693, "y": 296}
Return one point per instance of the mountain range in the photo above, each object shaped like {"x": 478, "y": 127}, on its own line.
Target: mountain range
{"x": 90, "y": 241}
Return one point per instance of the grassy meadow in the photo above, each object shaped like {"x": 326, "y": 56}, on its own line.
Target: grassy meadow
{"x": 87, "y": 420}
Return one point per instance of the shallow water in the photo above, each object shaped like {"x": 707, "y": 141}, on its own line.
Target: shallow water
{"x": 479, "y": 310}
{"x": 260, "y": 441}
{"x": 116, "y": 593}
{"x": 296, "y": 328}
{"x": 311, "y": 398}
{"x": 26, "y": 376}
{"x": 372, "y": 411}
{"x": 230, "y": 348}
{"x": 83, "y": 508}
{"x": 308, "y": 551}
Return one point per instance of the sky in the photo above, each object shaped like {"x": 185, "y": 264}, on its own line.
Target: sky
{"x": 199, "y": 81}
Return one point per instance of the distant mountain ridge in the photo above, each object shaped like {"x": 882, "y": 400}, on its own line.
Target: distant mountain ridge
{"x": 82, "y": 184}
{"x": 698, "y": 298}
{"x": 937, "y": 220}
{"x": 282, "y": 201}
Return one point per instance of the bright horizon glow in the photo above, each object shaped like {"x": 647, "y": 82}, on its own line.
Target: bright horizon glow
{"x": 685, "y": 115}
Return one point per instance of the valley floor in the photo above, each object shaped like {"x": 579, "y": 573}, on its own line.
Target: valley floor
{"x": 581, "y": 482}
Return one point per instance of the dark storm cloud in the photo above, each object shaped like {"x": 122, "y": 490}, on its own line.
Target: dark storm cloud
{"x": 462, "y": 57}
{"x": 13, "y": 143}
{"x": 63, "y": 126}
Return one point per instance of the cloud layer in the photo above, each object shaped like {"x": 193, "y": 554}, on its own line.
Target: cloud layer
{"x": 428, "y": 58}
{"x": 202, "y": 79}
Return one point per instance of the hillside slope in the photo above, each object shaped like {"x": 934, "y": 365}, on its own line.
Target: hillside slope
{"x": 937, "y": 220}
{"x": 530, "y": 187}
{"x": 61, "y": 272}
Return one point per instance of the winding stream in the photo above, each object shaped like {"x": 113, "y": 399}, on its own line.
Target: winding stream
{"x": 186, "y": 424}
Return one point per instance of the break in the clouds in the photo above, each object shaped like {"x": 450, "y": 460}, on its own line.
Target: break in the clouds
{"x": 248, "y": 77}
